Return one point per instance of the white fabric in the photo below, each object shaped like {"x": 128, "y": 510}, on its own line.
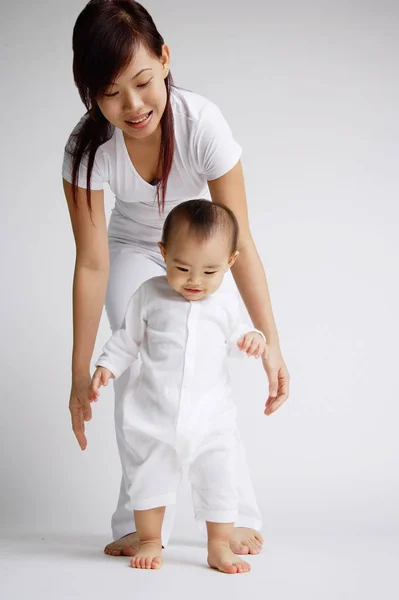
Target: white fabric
{"x": 135, "y": 257}
{"x": 130, "y": 266}
{"x": 204, "y": 150}
{"x": 181, "y": 410}
{"x": 155, "y": 325}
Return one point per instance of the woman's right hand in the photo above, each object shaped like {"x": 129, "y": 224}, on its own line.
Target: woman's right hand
{"x": 80, "y": 408}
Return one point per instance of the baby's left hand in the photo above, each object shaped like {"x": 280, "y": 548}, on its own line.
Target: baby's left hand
{"x": 253, "y": 344}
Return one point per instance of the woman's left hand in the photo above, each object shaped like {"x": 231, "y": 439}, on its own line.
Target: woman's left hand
{"x": 279, "y": 379}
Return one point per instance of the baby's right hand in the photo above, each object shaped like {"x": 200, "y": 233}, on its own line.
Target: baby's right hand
{"x": 101, "y": 377}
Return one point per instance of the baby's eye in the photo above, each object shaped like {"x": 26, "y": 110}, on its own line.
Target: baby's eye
{"x": 181, "y": 269}
{"x": 210, "y": 272}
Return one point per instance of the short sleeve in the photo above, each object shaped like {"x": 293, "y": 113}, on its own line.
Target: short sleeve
{"x": 215, "y": 148}
{"x": 99, "y": 174}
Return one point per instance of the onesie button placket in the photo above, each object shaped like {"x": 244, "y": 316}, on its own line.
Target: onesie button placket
{"x": 187, "y": 392}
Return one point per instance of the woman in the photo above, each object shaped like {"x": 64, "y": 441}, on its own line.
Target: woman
{"x": 156, "y": 146}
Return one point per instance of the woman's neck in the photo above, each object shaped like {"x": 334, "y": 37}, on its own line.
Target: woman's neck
{"x": 151, "y": 141}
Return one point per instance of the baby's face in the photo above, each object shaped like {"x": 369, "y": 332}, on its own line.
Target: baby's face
{"x": 196, "y": 269}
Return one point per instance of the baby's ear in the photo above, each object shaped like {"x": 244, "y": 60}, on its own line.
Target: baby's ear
{"x": 233, "y": 258}
{"x": 162, "y": 249}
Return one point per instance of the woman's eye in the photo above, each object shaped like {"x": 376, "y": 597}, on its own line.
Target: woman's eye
{"x": 145, "y": 84}
{"x": 111, "y": 95}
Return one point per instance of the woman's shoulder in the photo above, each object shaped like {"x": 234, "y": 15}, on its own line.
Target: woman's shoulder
{"x": 190, "y": 105}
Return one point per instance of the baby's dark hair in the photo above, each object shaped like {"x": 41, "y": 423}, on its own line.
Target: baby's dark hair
{"x": 203, "y": 218}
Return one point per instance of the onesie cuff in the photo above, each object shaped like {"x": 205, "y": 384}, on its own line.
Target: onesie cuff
{"x": 106, "y": 365}
{"x": 233, "y": 350}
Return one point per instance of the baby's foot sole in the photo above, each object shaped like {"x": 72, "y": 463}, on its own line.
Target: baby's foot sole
{"x": 125, "y": 546}
{"x": 220, "y": 557}
{"x": 148, "y": 556}
{"x": 246, "y": 541}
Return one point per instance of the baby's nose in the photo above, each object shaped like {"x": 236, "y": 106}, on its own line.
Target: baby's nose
{"x": 194, "y": 283}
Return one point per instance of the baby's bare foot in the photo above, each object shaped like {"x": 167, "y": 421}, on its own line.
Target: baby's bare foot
{"x": 222, "y": 558}
{"x": 148, "y": 556}
{"x": 125, "y": 546}
{"x": 246, "y": 541}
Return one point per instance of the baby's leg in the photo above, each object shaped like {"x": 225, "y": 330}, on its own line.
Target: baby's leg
{"x": 149, "y": 527}
{"x": 213, "y": 478}
{"x": 220, "y": 556}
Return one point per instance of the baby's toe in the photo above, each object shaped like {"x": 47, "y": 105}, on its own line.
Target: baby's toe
{"x": 229, "y": 568}
{"x": 156, "y": 563}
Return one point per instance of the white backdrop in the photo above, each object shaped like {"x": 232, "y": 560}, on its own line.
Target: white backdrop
{"x": 310, "y": 90}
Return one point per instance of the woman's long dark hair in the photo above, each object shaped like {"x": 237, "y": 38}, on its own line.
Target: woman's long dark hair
{"x": 106, "y": 36}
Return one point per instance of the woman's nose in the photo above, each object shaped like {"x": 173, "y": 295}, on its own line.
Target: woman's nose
{"x": 132, "y": 103}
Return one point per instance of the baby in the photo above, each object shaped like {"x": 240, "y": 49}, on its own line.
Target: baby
{"x": 181, "y": 413}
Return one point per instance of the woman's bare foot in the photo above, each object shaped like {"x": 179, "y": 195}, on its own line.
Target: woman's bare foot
{"x": 222, "y": 558}
{"x": 125, "y": 546}
{"x": 245, "y": 541}
{"x": 148, "y": 556}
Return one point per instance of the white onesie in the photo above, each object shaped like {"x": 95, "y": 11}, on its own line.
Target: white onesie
{"x": 181, "y": 410}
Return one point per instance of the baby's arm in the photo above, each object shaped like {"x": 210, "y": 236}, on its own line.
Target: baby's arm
{"x": 122, "y": 349}
{"x": 244, "y": 339}
{"x": 253, "y": 343}
{"x": 101, "y": 377}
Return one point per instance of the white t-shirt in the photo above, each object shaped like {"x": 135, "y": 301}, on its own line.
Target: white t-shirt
{"x": 204, "y": 150}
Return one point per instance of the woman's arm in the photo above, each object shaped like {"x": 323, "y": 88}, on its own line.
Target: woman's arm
{"x": 249, "y": 275}
{"x": 89, "y": 288}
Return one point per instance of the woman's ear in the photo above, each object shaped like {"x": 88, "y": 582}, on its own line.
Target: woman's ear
{"x": 165, "y": 59}
{"x": 162, "y": 249}
{"x": 233, "y": 258}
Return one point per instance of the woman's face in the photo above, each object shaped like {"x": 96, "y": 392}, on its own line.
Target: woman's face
{"x": 136, "y": 100}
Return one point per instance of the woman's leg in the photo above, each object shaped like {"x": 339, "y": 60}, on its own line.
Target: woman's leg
{"x": 245, "y": 538}
{"x": 129, "y": 268}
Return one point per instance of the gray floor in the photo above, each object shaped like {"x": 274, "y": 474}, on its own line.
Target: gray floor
{"x": 291, "y": 567}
